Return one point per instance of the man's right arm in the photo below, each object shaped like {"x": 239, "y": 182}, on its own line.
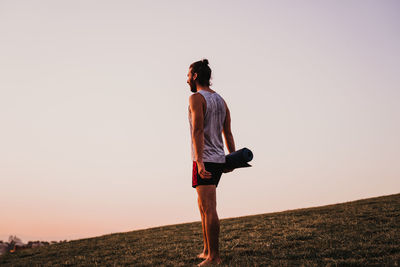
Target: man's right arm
{"x": 229, "y": 142}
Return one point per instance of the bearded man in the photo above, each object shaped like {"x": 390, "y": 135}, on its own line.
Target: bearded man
{"x": 209, "y": 119}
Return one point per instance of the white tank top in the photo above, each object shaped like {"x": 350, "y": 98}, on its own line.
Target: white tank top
{"x": 214, "y": 119}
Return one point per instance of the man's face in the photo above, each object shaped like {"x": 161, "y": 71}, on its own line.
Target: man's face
{"x": 191, "y": 81}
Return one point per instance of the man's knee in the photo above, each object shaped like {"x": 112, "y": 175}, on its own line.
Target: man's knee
{"x": 209, "y": 207}
{"x": 200, "y": 206}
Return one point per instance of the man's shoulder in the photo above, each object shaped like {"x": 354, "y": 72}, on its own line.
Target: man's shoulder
{"x": 196, "y": 98}
{"x": 216, "y": 94}
{"x": 220, "y": 96}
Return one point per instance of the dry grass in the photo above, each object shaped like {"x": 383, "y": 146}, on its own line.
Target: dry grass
{"x": 359, "y": 233}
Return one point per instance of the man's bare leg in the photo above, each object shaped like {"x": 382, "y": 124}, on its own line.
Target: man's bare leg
{"x": 208, "y": 202}
{"x": 204, "y": 254}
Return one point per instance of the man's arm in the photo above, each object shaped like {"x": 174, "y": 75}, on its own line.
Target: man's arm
{"x": 229, "y": 142}
{"x": 197, "y": 110}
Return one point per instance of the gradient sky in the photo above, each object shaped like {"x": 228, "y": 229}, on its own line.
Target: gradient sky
{"x": 93, "y": 109}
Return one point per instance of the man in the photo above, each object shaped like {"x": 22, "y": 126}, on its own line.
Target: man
{"x": 209, "y": 118}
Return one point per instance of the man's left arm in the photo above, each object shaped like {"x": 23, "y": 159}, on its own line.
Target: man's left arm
{"x": 196, "y": 109}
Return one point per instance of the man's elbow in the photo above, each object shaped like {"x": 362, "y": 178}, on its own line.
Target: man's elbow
{"x": 197, "y": 132}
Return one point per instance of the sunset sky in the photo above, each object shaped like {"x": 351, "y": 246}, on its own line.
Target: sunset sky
{"x": 93, "y": 109}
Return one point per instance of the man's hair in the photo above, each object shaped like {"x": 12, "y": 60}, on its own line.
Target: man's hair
{"x": 203, "y": 71}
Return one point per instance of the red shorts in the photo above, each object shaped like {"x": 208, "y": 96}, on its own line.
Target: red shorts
{"x": 216, "y": 172}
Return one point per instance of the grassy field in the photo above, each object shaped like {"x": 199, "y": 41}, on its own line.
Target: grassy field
{"x": 359, "y": 233}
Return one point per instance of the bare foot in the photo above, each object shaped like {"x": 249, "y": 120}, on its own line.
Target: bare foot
{"x": 202, "y": 255}
{"x": 209, "y": 261}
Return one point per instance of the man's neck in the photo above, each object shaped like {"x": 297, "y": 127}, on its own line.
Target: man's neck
{"x": 205, "y": 88}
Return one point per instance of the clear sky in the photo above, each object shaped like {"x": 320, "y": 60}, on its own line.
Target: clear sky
{"x": 94, "y": 135}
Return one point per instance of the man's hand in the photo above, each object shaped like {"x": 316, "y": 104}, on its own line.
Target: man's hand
{"x": 202, "y": 171}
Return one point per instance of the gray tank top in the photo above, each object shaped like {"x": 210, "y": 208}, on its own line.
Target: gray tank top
{"x": 213, "y": 125}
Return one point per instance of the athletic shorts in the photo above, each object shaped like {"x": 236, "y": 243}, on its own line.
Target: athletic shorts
{"x": 214, "y": 168}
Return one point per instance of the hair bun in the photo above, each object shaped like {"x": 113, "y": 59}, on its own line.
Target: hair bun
{"x": 205, "y": 61}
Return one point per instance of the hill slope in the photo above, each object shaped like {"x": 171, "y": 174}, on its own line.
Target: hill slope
{"x": 363, "y": 232}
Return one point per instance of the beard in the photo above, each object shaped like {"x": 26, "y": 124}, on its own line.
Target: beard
{"x": 193, "y": 86}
